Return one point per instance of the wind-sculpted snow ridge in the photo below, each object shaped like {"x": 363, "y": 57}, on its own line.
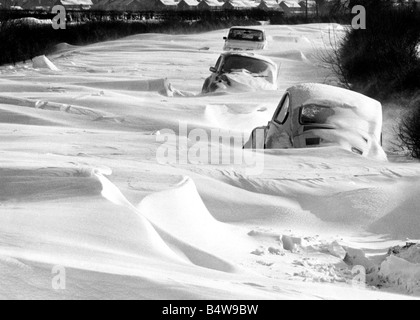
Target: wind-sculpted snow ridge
{"x": 174, "y": 218}
{"x": 397, "y": 271}
{"x": 158, "y": 239}
{"x": 296, "y": 55}
{"x": 401, "y": 269}
{"x": 285, "y": 39}
{"x": 51, "y": 106}
{"x": 238, "y": 116}
{"x": 26, "y": 184}
{"x": 157, "y": 85}
{"x": 42, "y": 62}
{"x": 10, "y": 114}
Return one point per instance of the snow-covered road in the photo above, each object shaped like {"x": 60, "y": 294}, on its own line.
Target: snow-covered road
{"x": 81, "y": 186}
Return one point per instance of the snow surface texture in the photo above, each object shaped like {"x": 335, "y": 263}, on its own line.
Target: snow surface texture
{"x": 42, "y": 62}
{"x": 81, "y": 186}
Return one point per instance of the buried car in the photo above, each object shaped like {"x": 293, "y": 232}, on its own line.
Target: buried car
{"x": 236, "y": 71}
{"x": 317, "y": 115}
{"x": 245, "y": 38}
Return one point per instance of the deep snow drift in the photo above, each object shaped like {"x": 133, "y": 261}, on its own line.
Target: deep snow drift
{"x": 81, "y": 186}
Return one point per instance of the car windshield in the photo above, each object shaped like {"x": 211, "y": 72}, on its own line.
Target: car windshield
{"x": 315, "y": 114}
{"x": 258, "y": 68}
{"x": 246, "y": 35}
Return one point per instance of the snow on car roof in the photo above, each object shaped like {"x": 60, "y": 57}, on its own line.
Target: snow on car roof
{"x": 347, "y": 104}
{"x": 304, "y": 93}
{"x": 249, "y": 55}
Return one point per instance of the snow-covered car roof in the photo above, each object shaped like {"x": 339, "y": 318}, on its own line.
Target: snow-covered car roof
{"x": 249, "y": 55}
{"x": 356, "y": 109}
{"x": 338, "y": 97}
{"x": 246, "y": 72}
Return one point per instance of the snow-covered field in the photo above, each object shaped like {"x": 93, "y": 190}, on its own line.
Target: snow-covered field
{"x": 81, "y": 186}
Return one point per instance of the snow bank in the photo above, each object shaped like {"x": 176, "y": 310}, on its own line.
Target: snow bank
{"x": 398, "y": 271}
{"x": 337, "y": 250}
{"x": 182, "y": 213}
{"x": 296, "y": 55}
{"x": 220, "y": 234}
{"x": 9, "y": 104}
{"x": 235, "y": 116}
{"x": 151, "y": 242}
{"x": 42, "y": 62}
{"x": 402, "y": 219}
{"x": 409, "y": 252}
{"x": 153, "y": 85}
{"x": 401, "y": 270}
{"x": 63, "y": 47}
{"x": 400, "y": 274}
{"x": 185, "y": 234}
{"x": 295, "y": 39}
{"x": 45, "y": 184}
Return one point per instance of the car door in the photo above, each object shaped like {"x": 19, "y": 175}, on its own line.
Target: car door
{"x": 279, "y": 128}
{"x": 213, "y": 78}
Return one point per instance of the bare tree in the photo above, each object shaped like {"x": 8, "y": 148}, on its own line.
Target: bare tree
{"x": 331, "y": 56}
{"x": 408, "y": 131}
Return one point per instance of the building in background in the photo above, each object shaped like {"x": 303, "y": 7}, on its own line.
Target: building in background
{"x": 210, "y": 5}
{"x": 187, "y": 5}
{"x": 74, "y": 4}
{"x": 309, "y": 7}
{"x": 45, "y": 5}
{"x": 270, "y": 5}
{"x": 103, "y": 5}
{"x": 168, "y": 4}
{"x": 291, "y": 8}
{"x": 239, "y": 5}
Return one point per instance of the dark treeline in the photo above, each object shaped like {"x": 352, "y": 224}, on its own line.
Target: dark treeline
{"x": 383, "y": 60}
{"x": 190, "y": 15}
{"x": 22, "y": 41}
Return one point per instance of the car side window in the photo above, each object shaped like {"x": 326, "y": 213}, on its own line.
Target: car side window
{"x": 283, "y": 110}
